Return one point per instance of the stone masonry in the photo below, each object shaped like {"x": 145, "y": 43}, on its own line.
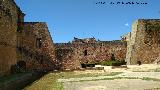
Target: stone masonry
{"x": 66, "y": 59}
{"x": 35, "y": 46}
{"x": 143, "y": 43}
{"x": 27, "y": 45}
{"x": 91, "y": 51}
{"x": 9, "y": 17}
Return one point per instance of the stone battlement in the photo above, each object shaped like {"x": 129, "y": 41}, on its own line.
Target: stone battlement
{"x": 34, "y": 23}
{"x": 118, "y": 42}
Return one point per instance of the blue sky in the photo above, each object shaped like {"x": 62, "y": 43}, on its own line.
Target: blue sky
{"x": 84, "y": 18}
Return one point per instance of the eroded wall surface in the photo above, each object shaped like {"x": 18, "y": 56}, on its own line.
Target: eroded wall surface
{"x": 9, "y": 17}
{"x": 143, "y": 43}
{"x": 94, "y": 52}
{"x": 35, "y": 46}
{"x": 66, "y": 58}
{"x": 26, "y": 44}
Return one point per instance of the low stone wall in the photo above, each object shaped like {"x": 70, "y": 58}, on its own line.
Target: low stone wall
{"x": 20, "y": 82}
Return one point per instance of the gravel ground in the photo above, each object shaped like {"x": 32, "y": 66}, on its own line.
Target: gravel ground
{"x": 120, "y": 84}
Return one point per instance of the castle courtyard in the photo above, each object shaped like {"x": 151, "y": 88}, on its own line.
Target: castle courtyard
{"x": 31, "y": 58}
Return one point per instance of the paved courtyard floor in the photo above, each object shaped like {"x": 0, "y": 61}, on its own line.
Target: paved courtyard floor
{"x": 119, "y": 84}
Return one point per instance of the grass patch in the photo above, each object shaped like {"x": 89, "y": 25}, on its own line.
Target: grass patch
{"x": 47, "y": 82}
{"x": 72, "y": 75}
{"x": 109, "y": 79}
{"x": 149, "y": 70}
{"x": 144, "y": 78}
{"x": 157, "y": 70}
{"x": 150, "y": 79}
{"x": 142, "y": 71}
{"x": 120, "y": 78}
{"x": 50, "y": 81}
{"x": 114, "y": 73}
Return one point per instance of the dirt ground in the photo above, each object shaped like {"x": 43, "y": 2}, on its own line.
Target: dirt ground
{"x": 121, "y": 84}
{"x": 96, "y": 83}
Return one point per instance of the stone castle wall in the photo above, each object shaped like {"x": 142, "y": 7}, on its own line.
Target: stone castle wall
{"x": 131, "y": 37}
{"x": 31, "y": 43}
{"x": 98, "y": 52}
{"x": 94, "y": 52}
{"x": 9, "y": 17}
{"x": 36, "y": 46}
{"x": 23, "y": 44}
{"x": 66, "y": 59}
{"x": 143, "y": 45}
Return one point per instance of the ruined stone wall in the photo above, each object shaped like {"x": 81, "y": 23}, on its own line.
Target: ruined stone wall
{"x": 29, "y": 42}
{"x": 93, "y": 52}
{"x": 85, "y": 40}
{"x": 100, "y": 51}
{"x": 144, "y": 46}
{"x": 66, "y": 59}
{"x": 131, "y": 40}
{"x": 9, "y": 13}
{"x": 35, "y": 46}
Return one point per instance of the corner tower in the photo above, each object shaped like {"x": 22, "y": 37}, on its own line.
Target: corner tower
{"x": 10, "y": 15}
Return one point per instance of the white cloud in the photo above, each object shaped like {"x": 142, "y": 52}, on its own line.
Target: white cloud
{"x": 126, "y": 24}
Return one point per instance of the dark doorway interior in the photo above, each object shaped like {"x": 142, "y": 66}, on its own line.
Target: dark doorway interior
{"x": 85, "y": 52}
